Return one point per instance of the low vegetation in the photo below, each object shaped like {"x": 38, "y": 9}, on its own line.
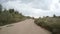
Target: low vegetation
{"x": 10, "y": 16}
{"x": 50, "y": 23}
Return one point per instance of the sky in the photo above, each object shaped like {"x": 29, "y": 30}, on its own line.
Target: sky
{"x": 33, "y": 8}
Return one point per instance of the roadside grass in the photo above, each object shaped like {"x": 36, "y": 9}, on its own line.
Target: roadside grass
{"x": 50, "y": 23}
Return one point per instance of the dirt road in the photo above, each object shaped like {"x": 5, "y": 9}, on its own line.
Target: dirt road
{"x": 25, "y": 27}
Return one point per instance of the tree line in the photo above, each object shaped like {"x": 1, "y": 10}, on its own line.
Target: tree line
{"x": 9, "y": 16}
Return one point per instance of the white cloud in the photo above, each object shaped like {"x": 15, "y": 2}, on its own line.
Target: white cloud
{"x": 34, "y": 8}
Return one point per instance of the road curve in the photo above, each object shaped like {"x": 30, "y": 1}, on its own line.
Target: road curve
{"x": 25, "y": 27}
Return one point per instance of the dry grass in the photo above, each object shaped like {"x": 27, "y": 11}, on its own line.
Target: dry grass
{"x": 52, "y": 24}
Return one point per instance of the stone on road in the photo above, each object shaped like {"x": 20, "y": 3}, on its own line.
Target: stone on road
{"x": 25, "y": 27}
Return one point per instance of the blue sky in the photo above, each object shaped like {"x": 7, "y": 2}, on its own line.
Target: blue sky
{"x": 34, "y": 8}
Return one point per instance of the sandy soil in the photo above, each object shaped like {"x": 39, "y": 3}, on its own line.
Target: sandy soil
{"x": 25, "y": 27}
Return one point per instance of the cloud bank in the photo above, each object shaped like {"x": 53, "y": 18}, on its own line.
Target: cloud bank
{"x": 34, "y": 8}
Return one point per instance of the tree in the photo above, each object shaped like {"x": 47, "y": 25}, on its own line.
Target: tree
{"x": 11, "y": 10}
{"x": 54, "y": 15}
{"x": 16, "y": 12}
{"x": 0, "y": 8}
{"x": 47, "y": 16}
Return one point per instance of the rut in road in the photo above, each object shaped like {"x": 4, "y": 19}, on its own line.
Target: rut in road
{"x": 25, "y": 27}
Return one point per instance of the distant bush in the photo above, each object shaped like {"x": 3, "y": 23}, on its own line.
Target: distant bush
{"x": 50, "y": 23}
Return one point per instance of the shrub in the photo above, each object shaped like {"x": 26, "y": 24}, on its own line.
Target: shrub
{"x": 49, "y": 23}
